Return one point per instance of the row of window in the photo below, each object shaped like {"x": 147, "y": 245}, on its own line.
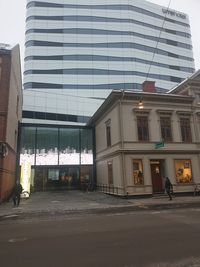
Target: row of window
{"x": 106, "y": 86}
{"x": 108, "y": 7}
{"x": 165, "y": 128}
{"x": 110, "y": 32}
{"x": 108, "y": 45}
{"x": 183, "y": 171}
{"x": 106, "y": 19}
{"x": 85, "y": 71}
{"x": 54, "y": 116}
{"x": 108, "y": 58}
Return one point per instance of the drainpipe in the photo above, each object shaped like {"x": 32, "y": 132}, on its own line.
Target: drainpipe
{"x": 122, "y": 144}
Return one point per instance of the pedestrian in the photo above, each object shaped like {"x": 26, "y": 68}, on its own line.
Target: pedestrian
{"x": 168, "y": 187}
{"x": 17, "y": 190}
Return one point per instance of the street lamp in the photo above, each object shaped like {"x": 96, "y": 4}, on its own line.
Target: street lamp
{"x": 140, "y": 104}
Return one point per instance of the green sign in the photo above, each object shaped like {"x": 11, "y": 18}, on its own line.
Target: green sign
{"x": 159, "y": 145}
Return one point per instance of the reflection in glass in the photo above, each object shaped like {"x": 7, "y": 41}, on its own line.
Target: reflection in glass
{"x": 69, "y": 152}
{"x": 47, "y": 146}
{"x": 86, "y": 146}
{"x": 27, "y": 147}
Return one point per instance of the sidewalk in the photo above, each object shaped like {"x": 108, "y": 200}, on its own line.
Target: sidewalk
{"x": 70, "y": 202}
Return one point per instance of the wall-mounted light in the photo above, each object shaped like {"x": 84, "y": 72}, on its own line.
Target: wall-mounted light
{"x": 140, "y": 104}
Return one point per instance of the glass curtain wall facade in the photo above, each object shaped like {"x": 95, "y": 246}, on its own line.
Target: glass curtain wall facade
{"x": 59, "y": 157}
{"x": 77, "y": 52}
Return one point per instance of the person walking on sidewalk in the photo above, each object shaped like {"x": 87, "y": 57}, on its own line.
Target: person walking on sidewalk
{"x": 168, "y": 187}
{"x": 17, "y": 190}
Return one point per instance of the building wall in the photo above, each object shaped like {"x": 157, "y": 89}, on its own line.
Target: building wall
{"x": 133, "y": 189}
{"x": 76, "y": 52}
{"x": 130, "y": 149}
{"x": 101, "y": 130}
{"x": 10, "y": 116}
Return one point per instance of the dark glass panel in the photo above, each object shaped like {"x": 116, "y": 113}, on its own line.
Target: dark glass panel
{"x": 109, "y": 45}
{"x": 86, "y": 146}
{"x": 185, "y": 130}
{"x": 110, "y": 32}
{"x": 87, "y": 178}
{"x": 47, "y": 146}
{"x": 27, "y": 145}
{"x": 143, "y": 128}
{"x": 166, "y": 131}
{"x": 69, "y": 150}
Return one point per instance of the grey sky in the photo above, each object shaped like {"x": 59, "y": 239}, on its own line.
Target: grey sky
{"x": 12, "y": 21}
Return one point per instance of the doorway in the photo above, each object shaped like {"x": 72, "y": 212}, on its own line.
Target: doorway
{"x": 157, "y": 174}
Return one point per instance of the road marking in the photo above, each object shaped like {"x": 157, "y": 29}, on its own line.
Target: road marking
{"x": 155, "y": 212}
{"x": 11, "y": 216}
{"x": 15, "y": 240}
{"x": 143, "y": 207}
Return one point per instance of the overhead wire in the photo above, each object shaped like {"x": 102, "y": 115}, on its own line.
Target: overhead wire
{"x": 158, "y": 40}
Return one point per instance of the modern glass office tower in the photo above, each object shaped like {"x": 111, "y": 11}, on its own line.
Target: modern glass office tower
{"x": 78, "y": 51}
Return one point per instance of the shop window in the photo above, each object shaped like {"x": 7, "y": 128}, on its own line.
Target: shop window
{"x": 47, "y": 146}
{"x": 142, "y": 127}
{"x": 53, "y": 174}
{"x": 185, "y": 130}
{"x": 86, "y": 144}
{"x": 183, "y": 171}
{"x": 110, "y": 172}
{"x": 69, "y": 146}
{"x": 138, "y": 172}
{"x": 166, "y": 131}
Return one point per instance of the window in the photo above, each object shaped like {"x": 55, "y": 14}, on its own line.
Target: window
{"x": 185, "y": 130}
{"x": 110, "y": 172}
{"x": 138, "y": 172}
{"x": 142, "y": 127}
{"x": 183, "y": 171}
{"x": 108, "y": 132}
{"x": 17, "y": 105}
{"x": 165, "y": 124}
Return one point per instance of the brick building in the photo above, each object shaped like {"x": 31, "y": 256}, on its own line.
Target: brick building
{"x": 10, "y": 115}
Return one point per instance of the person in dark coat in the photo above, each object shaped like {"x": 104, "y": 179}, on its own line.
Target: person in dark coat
{"x": 17, "y": 190}
{"x": 168, "y": 187}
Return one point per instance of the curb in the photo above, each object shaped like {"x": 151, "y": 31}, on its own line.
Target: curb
{"x": 106, "y": 210}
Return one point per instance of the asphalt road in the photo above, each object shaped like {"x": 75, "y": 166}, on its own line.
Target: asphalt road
{"x": 139, "y": 239}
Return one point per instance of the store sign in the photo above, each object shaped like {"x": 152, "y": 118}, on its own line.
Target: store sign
{"x": 159, "y": 145}
{"x": 173, "y": 13}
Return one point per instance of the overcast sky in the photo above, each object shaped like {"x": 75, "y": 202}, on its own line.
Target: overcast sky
{"x": 12, "y": 21}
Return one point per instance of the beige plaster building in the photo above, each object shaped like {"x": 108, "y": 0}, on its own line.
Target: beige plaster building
{"x": 138, "y": 146}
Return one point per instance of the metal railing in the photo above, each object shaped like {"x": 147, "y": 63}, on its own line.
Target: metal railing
{"x": 110, "y": 189}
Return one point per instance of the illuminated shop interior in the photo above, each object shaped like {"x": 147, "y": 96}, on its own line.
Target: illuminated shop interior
{"x": 56, "y": 157}
{"x": 183, "y": 171}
